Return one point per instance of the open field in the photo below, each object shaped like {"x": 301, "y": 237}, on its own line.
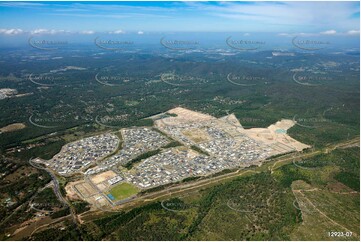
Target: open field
{"x": 123, "y": 190}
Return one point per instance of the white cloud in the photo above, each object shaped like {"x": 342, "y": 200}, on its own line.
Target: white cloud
{"x": 21, "y": 4}
{"x": 140, "y": 32}
{"x": 119, "y": 31}
{"x": 281, "y": 17}
{"x": 87, "y": 32}
{"x": 329, "y": 32}
{"x": 39, "y": 31}
{"x": 285, "y": 34}
{"x": 247, "y": 34}
{"x": 353, "y": 32}
{"x": 298, "y": 34}
{"x": 285, "y": 16}
{"x": 47, "y": 31}
{"x": 11, "y": 31}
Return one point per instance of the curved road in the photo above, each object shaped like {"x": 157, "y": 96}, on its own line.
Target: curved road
{"x": 56, "y": 188}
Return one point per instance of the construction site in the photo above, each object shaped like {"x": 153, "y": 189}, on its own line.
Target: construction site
{"x": 206, "y": 145}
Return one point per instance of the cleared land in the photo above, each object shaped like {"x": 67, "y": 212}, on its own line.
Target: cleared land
{"x": 85, "y": 189}
{"x": 12, "y": 127}
{"x": 103, "y": 177}
{"x": 183, "y": 116}
{"x": 197, "y": 135}
{"x": 276, "y": 136}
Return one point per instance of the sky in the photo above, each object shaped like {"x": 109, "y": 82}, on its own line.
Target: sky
{"x": 89, "y": 18}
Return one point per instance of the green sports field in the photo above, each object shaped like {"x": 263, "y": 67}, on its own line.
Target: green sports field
{"x": 123, "y": 190}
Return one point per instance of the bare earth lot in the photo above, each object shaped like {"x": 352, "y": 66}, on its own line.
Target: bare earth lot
{"x": 12, "y": 127}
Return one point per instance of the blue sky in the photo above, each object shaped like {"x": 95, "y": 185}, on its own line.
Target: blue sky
{"x": 328, "y": 18}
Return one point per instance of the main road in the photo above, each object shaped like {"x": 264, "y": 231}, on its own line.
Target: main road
{"x": 56, "y": 188}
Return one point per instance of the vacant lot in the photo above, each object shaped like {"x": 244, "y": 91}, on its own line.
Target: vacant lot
{"x": 197, "y": 135}
{"x": 85, "y": 189}
{"x": 103, "y": 177}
